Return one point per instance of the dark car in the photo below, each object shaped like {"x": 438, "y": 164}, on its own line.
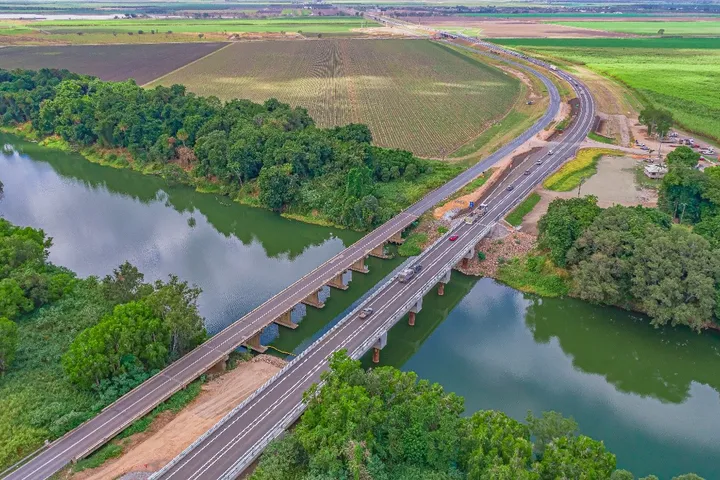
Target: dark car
{"x": 417, "y": 268}
{"x": 527, "y": 172}
{"x": 509, "y": 188}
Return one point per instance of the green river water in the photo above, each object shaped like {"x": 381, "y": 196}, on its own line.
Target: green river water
{"x": 652, "y": 395}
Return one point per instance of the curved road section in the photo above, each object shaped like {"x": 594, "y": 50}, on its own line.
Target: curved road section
{"x": 235, "y": 442}
{"x": 113, "y": 419}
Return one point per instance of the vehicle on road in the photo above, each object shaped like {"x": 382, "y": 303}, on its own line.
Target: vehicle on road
{"x": 539, "y": 162}
{"x": 408, "y": 273}
{"x": 509, "y": 188}
{"x": 365, "y": 313}
{"x": 550, "y": 152}
{"x": 453, "y": 238}
{"x": 470, "y": 218}
{"x": 527, "y": 172}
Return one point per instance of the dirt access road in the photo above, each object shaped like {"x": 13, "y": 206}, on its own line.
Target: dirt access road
{"x": 171, "y": 433}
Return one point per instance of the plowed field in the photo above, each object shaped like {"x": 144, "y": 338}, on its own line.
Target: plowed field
{"x": 414, "y": 94}
{"x": 108, "y": 62}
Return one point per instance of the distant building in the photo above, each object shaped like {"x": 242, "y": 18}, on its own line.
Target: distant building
{"x": 655, "y": 171}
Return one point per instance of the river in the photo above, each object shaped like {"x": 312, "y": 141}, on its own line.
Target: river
{"x": 652, "y": 395}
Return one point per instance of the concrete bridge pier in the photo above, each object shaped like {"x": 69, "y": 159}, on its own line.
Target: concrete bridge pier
{"x": 379, "y": 251}
{"x": 253, "y": 343}
{"x": 443, "y": 281}
{"x": 314, "y": 300}
{"x": 396, "y": 239}
{"x": 360, "y": 266}
{"x": 285, "y": 320}
{"x": 414, "y": 311}
{"x": 337, "y": 281}
{"x": 220, "y": 366}
{"x": 468, "y": 256}
{"x": 379, "y": 345}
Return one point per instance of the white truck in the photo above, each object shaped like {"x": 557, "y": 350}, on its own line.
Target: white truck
{"x": 408, "y": 273}
{"x": 553, "y": 68}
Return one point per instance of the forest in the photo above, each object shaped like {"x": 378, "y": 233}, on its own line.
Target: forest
{"x": 70, "y": 346}
{"x": 384, "y": 424}
{"x": 270, "y": 154}
{"x": 662, "y": 261}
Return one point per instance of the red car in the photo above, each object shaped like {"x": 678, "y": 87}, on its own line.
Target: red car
{"x": 453, "y": 238}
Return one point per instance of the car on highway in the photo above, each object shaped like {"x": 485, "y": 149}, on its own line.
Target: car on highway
{"x": 409, "y": 273}
{"x": 527, "y": 172}
{"x": 539, "y": 162}
{"x": 550, "y": 152}
{"x": 365, "y": 313}
{"x": 509, "y": 188}
{"x": 453, "y": 238}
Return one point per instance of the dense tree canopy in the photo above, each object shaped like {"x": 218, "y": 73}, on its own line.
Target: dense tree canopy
{"x": 271, "y": 147}
{"x": 563, "y": 223}
{"x": 383, "y": 424}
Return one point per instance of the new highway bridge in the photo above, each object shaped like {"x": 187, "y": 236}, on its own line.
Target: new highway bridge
{"x": 227, "y": 449}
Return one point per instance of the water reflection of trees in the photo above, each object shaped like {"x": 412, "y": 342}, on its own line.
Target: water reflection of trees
{"x": 629, "y": 353}
{"x": 277, "y": 235}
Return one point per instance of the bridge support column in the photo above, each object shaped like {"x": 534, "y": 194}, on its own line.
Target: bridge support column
{"x": 396, "y": 239}
{"x": 285, "y": 320}
{"x": 360, "y": 266}
{"x": 220, "y": 366}
{"x": 414, "y": 311}
{"x": 313, "y": 300}
{"x": 379, "y": 345}
{"x": 337, "y": 282}
{"x": 444, "y": 280}
{"x": 466, "y": 259}
{"x": 253, "y": 343}
{"x": 379, "y": 251}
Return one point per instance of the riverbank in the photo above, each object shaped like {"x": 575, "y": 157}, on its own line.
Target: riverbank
{"x": 171, "y": 432}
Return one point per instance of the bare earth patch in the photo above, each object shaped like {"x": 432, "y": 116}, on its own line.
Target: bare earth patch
{"x": 171, "y": 433}
{"x": 502, "y": 243}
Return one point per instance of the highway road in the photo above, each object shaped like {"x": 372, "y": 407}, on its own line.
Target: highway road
{"x": 234, "y": 443}
{"x": 113, "y": 419}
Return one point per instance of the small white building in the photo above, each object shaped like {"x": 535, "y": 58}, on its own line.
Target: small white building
{"x": 655, "y": 171}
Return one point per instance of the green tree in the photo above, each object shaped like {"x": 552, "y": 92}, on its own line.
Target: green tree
{"x": 278, "y": 186}
{"x": 549, "y": 427}
{"x": 132, "y": 333}
{"x": 563, "y": 223}
{"x": 656, "y": 119}
{"x": 688, "y": 476}
{"x": 12, "y": 299}
{"x": 359, "y": 182}
{"x": 500, "y": 447}
{"x": 709, "y": 228}
{"x": 8, "y": 343}
{"x": 579, "y": 458}
{"x": 675, "y": 277}
{"x": 622, "y": 475}
{"x": 175, "y": 303}
{"x": 681, "y": 193}
{"x": 125, "y": 284}
{"x": 683, "y": 157}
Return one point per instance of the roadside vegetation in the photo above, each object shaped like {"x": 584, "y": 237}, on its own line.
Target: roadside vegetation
{"x": 639, "y": 258}
{"x": 601, "y": 138}
{"x": 71, "y": 346}
{"x": 681, "y": 75}
{"x": 269, "y": 155}
{"x": 516, "y": 217}
{"x": 386, "y": 424}
{"x": 583, "y": 166}
{"x": 654, "y": 27}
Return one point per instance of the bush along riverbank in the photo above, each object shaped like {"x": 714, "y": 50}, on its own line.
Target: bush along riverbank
{"x": 268, "y": 155}
{"x": 393, "y": 426}
{"x": 664, "y": 262}
{"x": 70, "y": 346}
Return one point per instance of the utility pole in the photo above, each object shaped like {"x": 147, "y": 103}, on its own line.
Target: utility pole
{"x": 582, "y": 180}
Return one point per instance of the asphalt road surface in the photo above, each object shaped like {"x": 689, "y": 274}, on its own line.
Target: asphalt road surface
{"x": 89, "y": 436}
{"x": 225, "y": 451}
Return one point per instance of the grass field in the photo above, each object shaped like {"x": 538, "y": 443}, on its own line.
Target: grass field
{"x": 109, "y": 62}
{"x": 580, "y": 168}
{"x": 148, "y": 30}
{"x": 516, "y": 217}
{"x": 651, "y": 27}
{"x": 681, "y": 75}
{"x": 413, "y": 94}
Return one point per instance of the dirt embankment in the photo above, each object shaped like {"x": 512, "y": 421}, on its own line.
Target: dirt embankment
{"x": 171, "y": 433}
{"x": 503, "y": 244}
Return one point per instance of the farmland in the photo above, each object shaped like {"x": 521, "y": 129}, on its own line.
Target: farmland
{"x": 413, "y": 94}
{"x": 149, "y": 30}
{"x": 109, "y": 62}
{"x": 681, "y": 75}
{"x": 670, "y": 27}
